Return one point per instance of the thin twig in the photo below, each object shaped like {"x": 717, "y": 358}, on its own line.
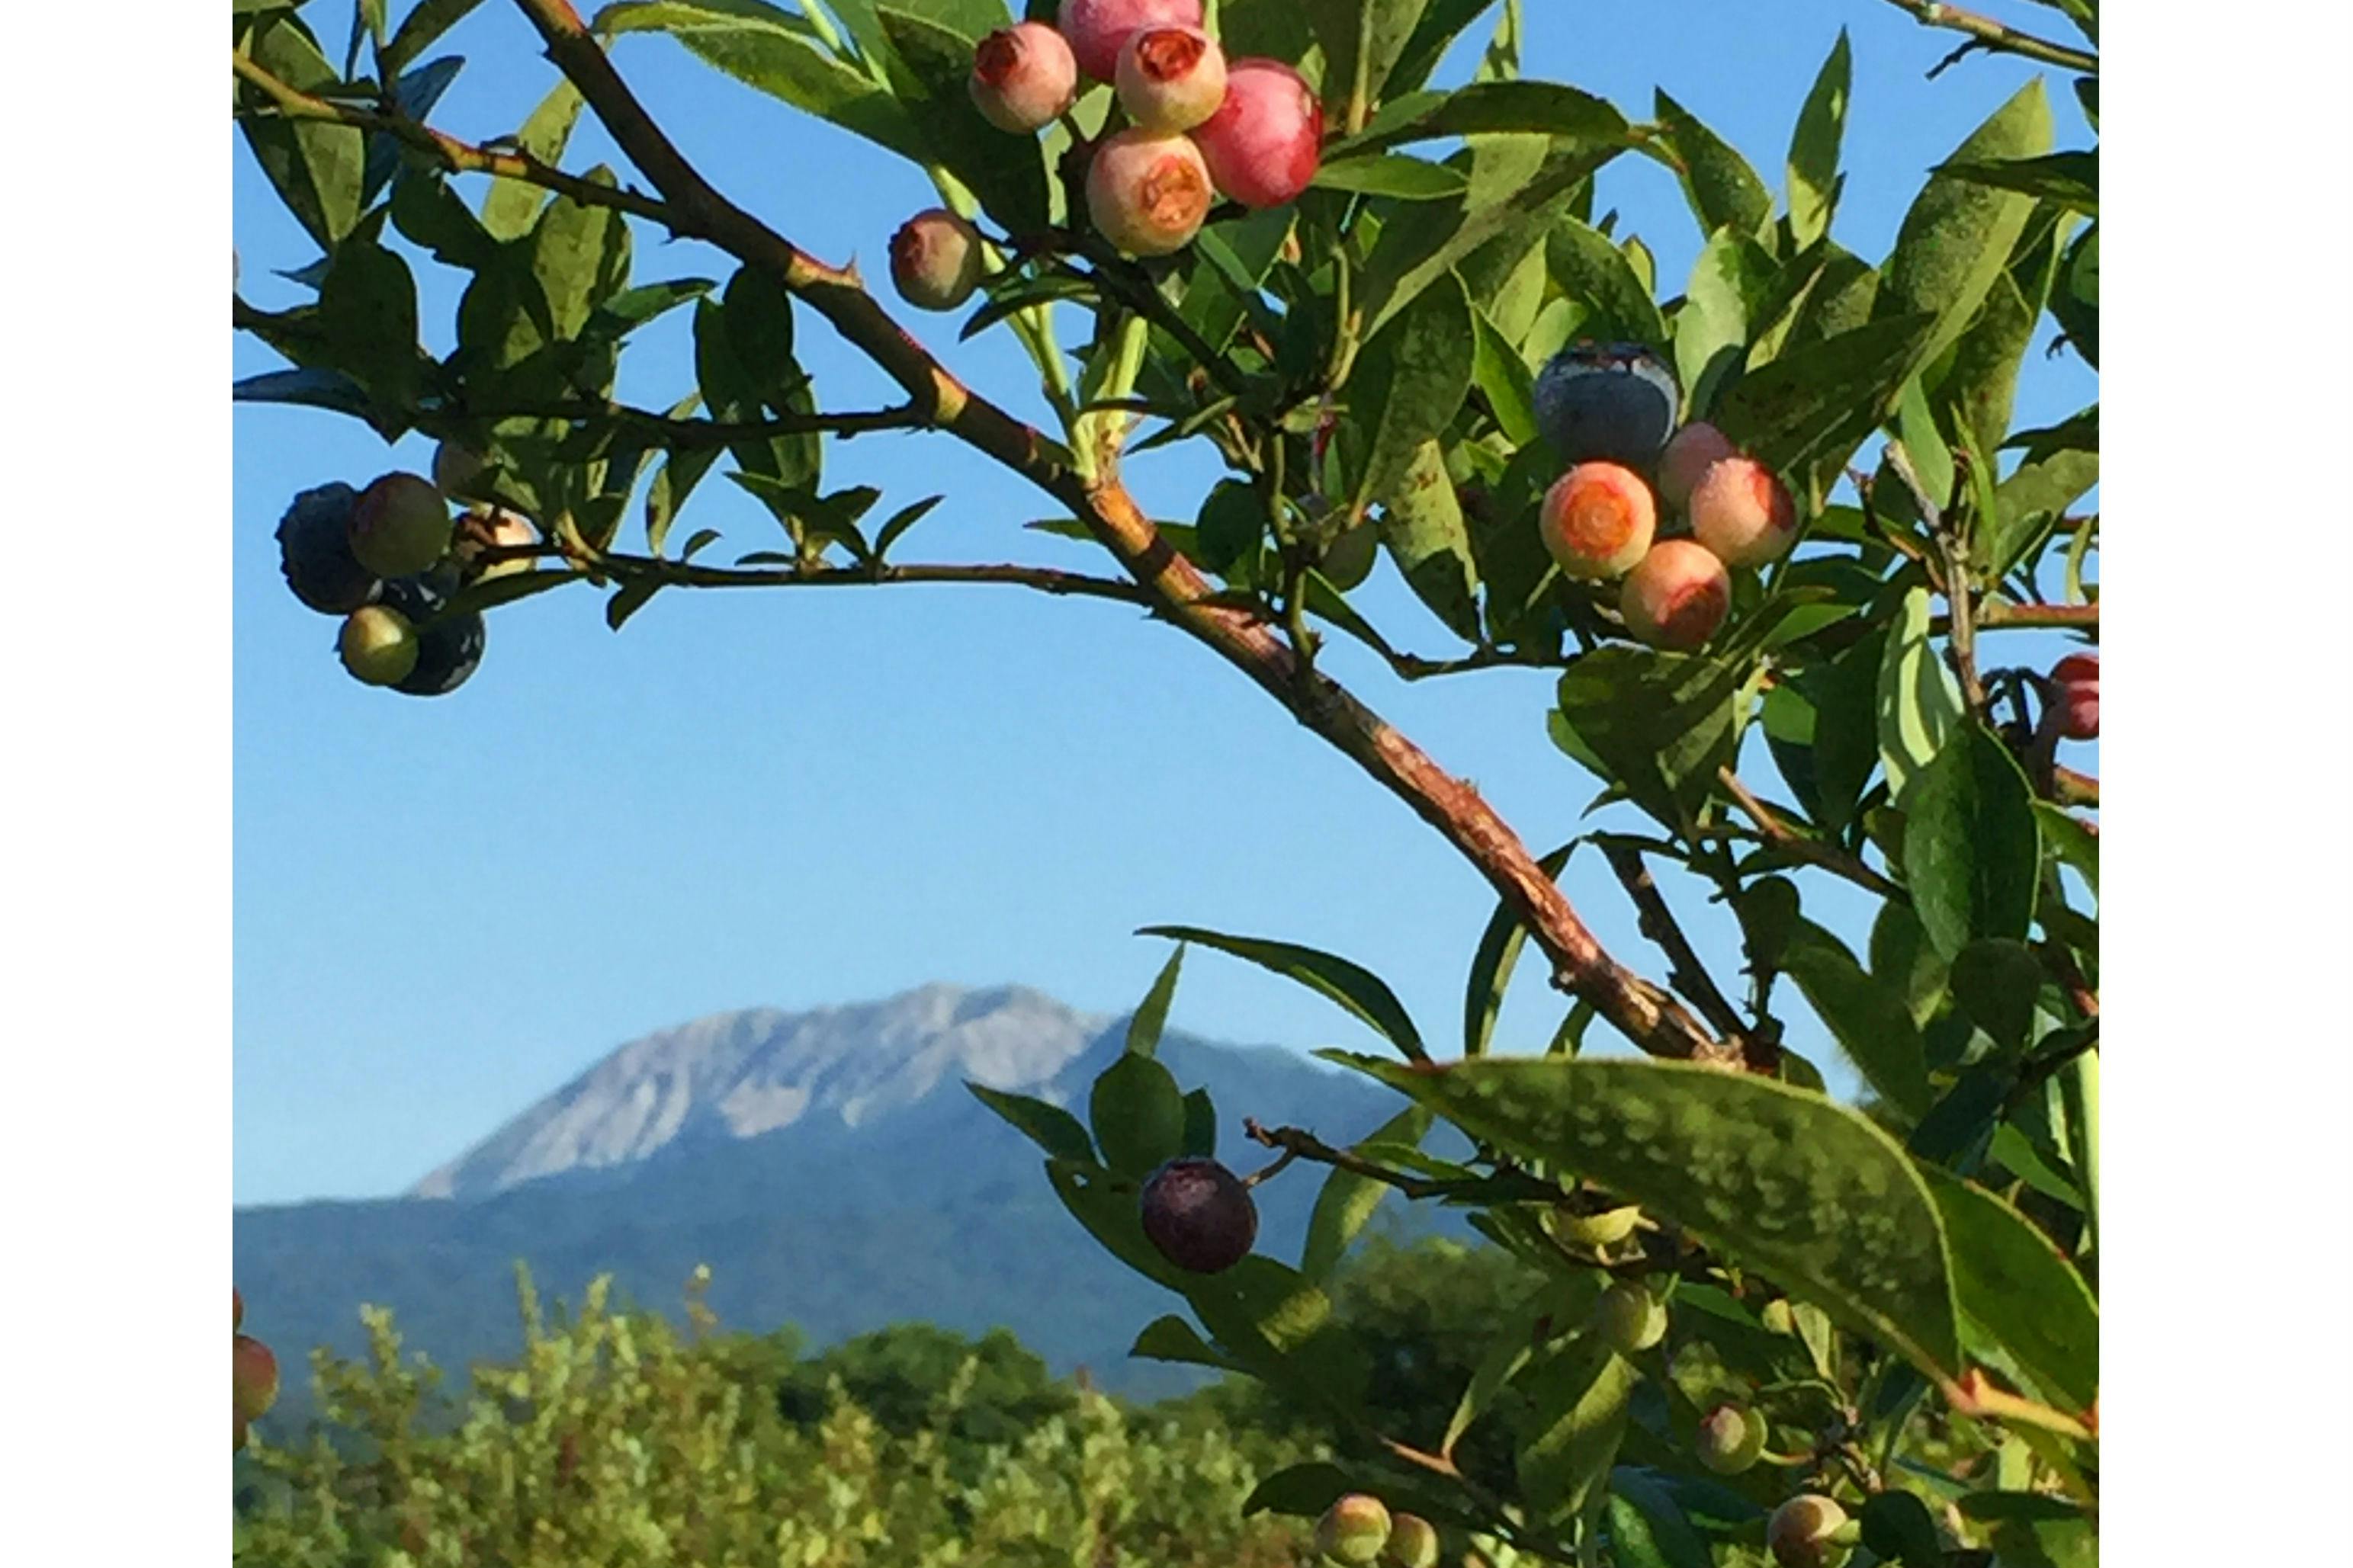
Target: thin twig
{"x": 1988, "y": 33}
{"x": 1685, "y": 973}
{"x": 690, "y": 433}
{"x": 1814, "y": 852}
{"x": 686, "y": 574}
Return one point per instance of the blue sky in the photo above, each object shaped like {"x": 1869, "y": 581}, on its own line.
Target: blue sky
{"x": 444, "y": 909}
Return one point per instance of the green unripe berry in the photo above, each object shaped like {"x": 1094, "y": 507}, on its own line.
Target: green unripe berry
{"x": 378, "y": 645}
{"x": 1348, "y": 559}
{"x": 1629, "y": 1318}
{"x": 400, "y": 525}
{"x": 1731, "y": 1439}
{"x": 1354, "y": 1530}
{"x": 1413, "y": 1542}
{"x": 1803, "y": 1533}
{"x": 935, "y": 260}
{"x": 1607, "y": 1228}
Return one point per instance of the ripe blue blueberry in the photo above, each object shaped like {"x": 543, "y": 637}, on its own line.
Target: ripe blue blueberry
{"x": 1612, "y": 402}
{"x": 314, "y": 550}
{"x": 448, "y": 647}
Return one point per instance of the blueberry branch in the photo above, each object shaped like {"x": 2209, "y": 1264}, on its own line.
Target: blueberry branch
{"x": 1987, "y": 34}
{"x": 1685, "y": 973}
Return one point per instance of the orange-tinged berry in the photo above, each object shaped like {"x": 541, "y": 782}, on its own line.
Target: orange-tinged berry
{"x": 1677, "y": 597}
{"x": 1597, "y": 520}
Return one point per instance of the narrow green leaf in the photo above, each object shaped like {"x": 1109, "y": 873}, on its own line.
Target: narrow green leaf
{"x": 628, "y": 599}
{"x": 1348, "y": 1199}
{"x": 1144, "y": 1028}
{"x": 1200, "y": 1124}
{"x": 1996, "y": 982}
{"x": 315, "y": 168}
{"x": 1870, "y": 1020}
{"x": 2071, "y": 179}
{"x": 1276, "y": 1321}
{"x": 1138, "y": 1114}
{"x": 1904, "y": 960}
{"x": 1410, "y": 379}
{"x": 1919, "y": 703}
{"x": 1391, "y": 174}
{"x": 419, "y": 30}
{"x": 1498, "y": 953}
{"x": 1172, "y": 1338}
{"x": 1897, "y": 1526}
{"x": 1814, "y": 147}
{"x": 1357, "y": 990}
{"x": 1108, "y": 1207}
{"x": 1805, "y": 1190}
{"x": 1046, "y": 1124}
{"x": 1489, "y": 109}
{"x": 2077, "y": 843}
{"x": 1722, "y": 190}
{"x": 1805, "y": 413}
{"x": 931, "y": 69}
{"x": 1510, "y": 387}
{"x": 1597, "y": 275}
{"x": 1648, "y": 1531}
{"x": 1972, "y": 848}
{"x": 1582, "y": 1393}
{"x": 1512, "y": 1351}
{"x": 511, "y": 207}
{"x": 2019, "y": 1289}
{"x": 1424, "y": 530}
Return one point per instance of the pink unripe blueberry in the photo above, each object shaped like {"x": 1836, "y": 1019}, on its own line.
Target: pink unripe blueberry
{"x": 2076, "y": 696}
{"x": 400, "y": 525}
{"x": 1266, "y": 139}
{"x": 255, "y": 1379}
{"x": 1800, "y": 1533}
{"x": 1148, "y": 195}
{"x": 1597, "y": 520}
{"x": 1741, "y": 511}
{"x": 1023, "y": 77}
{"x": 485, "y": 529}
{"x": 1098, "y": 29}
{"x": 378, "y": 645}
{"x": 1198, "y": 1216}
{"x": 1412, "y": 1543}
{"x": 935, "y": 260}
{"x": 1691, "y": 452}
{"x": 1677, "y": 597}
{"x": 1171, "y": 79}
{"x": 1354, "y": 1530}
{"x": 1731, "y": 1439}
{"x": 1629, "y": 1318}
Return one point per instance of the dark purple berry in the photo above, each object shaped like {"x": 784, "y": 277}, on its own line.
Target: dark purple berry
{"x": 1612, "y": 402}
{"x": 448, "y": 647}
{"x": 1199, "y": 1215}
{"x": 314, "y": 550}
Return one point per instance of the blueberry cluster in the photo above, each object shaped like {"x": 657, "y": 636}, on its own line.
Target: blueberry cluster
{"x": 1609, "y": 410}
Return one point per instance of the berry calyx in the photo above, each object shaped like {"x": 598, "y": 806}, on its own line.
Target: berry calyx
{"x": 1677, "y": 597}
{"x": 1731, "y": 1439}
{"x": 1171, "y": 79}
{"x": 400, "y": 525}
{"x": 1690, "y": 452}
{"x": 1629, "y": 1318}
{"x": 1800, "y": 1533}
{"x": 935, "y": 260}
{"x": 2074, "y": 695}
{"x": 1610, "y": 402}
{"x": 1266, "y": 140}
{"x": 1198, "y": 1216}
{"x": 1099, "y": 29}
{"x": 1597, "y": 520}
{"x": 314, "y": 552}
{"x": 1412, "y": 1543}
{"x": 1354, "y": 1530}
{"x": 378, "y": 645}
{"x": 1023, "y": 77}
{"x": 1742, "y": 511}
{"x": 1148, "y": 195}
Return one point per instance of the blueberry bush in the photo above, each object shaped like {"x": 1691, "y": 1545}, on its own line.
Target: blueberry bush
{"x": 1771, "y": 529}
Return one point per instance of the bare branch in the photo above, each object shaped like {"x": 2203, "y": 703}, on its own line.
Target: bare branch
{"x": 1985, "y": 33}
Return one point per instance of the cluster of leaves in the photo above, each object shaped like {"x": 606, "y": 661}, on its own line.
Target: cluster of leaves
{"x": 617, "y": 1439}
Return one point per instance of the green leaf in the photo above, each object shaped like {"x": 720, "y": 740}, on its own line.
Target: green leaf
{"x": 415, "y": 94}
{"x": 1803, "y": 1189}
{"x": 1498, "y": 953}
{"x": 1958, "y": 237}
{"x": 1972, "y": 849}
{"x": 1348, "y": 1199}
{"x": 1897, "y": 1526}
{"x": 1512, "y": 1350}
{"x": 1441, "y": 22}
{"x": 2077, "y": 843}
{"x": 311, "y": 387}
{"x": 1870, "y": 1020}
{"x": 1814, "y": 147}
{"x": 1138, "y": 1114}
{"x": 1648, "y": 1531}
{"x": 1144, "y": 1028}
{"x": 367, "y": 310}
{"x": 1921, "y": 446}
{"x": 1172, "y": 1338}
{"x": 580, "y": 255}
{"x": 1047, "y": 1125}
{"x": 2014, "y": 1284}
{"x": 315, "y": 168}
{"x": 1423, "y": 528}
{"x": 2075, "y": 301}
{"x": 1410, "y": 381}
{"x": 771, "y": 50}
{"x": 1302, "y": 1491}
{"x": 1504, "y": 378}
{"x": 1391, "y": 174}
{"x": 1712, "y": 328}
{"x": 1357, "y": 990}
{"x": 1661, "y": 724}
{"x": 2070, "y": 179}
{"x": 1804, "y": 414}
{"x": 1904, "y": 960}
{"x": 1582, "y": 1393}
{"x": 1109, "y": 1208}
{"x": 2034, "y": 1532}
{"x": 1276, "y": 1323}
{"x": 1489, "y": 109}
{"x": 425, "y": 210}
{"x": 931, "y": 66}
{"x": 2041, "y": 488}
{"x": 628, "y": 599}
{"x": 1722, "y": 190}
{"x": 1200, "y": 1124}
{"x": 419, "y": 31}
{"x": 1596, "y": 274}
{"x": 1982, "y": 388}
{"x": 1996, "y": 982}
{"x": 512, "y": 206}
{"x": 1919, "y": 703}
{"x": 1232, "y": 525}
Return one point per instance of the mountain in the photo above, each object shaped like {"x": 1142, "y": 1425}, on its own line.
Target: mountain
{"x": 830, "y": 1166}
